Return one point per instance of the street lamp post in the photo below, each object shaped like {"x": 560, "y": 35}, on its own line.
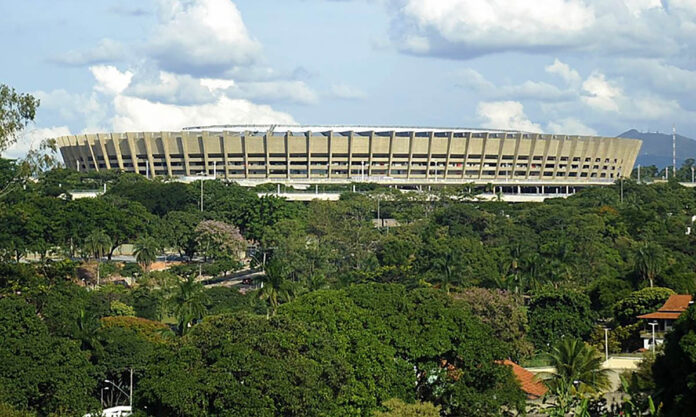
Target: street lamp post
{"x": 653, "y": 324}
{"x": 102, "y": 395}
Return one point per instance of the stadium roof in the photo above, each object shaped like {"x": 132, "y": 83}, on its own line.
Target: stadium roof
{"x": 340, "y": 128}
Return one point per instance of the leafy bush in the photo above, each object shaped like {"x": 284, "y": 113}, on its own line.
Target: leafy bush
{"x": 555, "y": 314}
{"x": 640, "y": 302}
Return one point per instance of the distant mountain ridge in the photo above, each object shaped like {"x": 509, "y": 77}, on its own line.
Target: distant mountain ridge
{"x": 657, "y": 148}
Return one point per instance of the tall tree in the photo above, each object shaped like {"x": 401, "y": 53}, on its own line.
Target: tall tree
{"x": 649, "y": 261}
{"x": 189, "y": 302}
{"x": 97, "y": 244}
{"x": 274, "y": 284}
{"x": 146, "y": 250}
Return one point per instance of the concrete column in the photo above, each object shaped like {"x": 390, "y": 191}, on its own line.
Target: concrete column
{"x": 165, "y": 137}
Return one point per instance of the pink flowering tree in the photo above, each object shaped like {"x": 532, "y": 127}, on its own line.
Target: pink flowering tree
{"x": 219, "y": 240}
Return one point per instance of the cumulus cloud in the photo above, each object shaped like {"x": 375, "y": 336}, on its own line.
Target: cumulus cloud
{"x": 88, "y": 110}
{"x": 479, "y": 25}
{"x": 505, "y": 115}
{"x": 568, "y": 74}
{"x": 277, "y": 91}
{"x": 204, "y": 37}
{"x": 570, "y": 126}
{"x": 170, "y": 88}
{"x": 600, "y": 93}
{"x": 463, "y": 29}
{"x": 134, "y": 114}
{"x": 660, "y": 76}
{"x": 31, "y": 138}
{"x": 109, "y": 79}
{"x": 528, "y": 90}
{"x": 106, "y": 51}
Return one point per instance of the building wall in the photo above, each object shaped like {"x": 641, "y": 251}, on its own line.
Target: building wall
{"x": 418, "y": 155}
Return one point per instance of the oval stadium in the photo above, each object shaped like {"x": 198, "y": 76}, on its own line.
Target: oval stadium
{"x": 255, "y": 154}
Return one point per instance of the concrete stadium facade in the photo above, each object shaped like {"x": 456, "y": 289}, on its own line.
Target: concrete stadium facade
{"x": 253, "y": 154}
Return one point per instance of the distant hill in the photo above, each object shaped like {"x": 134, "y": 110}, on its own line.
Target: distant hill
{"x": 657, "y": 148}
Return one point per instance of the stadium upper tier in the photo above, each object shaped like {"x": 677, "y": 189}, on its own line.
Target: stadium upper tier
{"x": 317, "y": 154}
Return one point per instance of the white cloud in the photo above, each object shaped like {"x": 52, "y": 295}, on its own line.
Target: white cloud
{"x": 683, "y": 6}
{"x": 135, "y": 114}
{"x": 416, "y": 44}
{"x": 32, "y": 137}
{"x": 274, "y": 91}
{"x": 496, "y": 24}
{"x": 660, "y": 76}
{"x": 86, "y": 110}
{"x": 108, "y": 50}
{"x": 171, "y": 88}
{"x": 532, "y": 90}
{"x": 202, "y": 37}
{"x": 213, "y": 84}
{"x": 109, "y": 79}
{"x": 600, "y": 93}
{"x": 637, "y": 7}
{"x": 347, "y": 92}
{"x": 505, "y": 115}
{"x": 564, "y": 71}
{"x": 570, "y": 126}
{"x": 463, "y": 29}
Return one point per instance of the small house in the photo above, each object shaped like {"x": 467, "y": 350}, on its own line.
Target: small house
{"x": 661, "y": 321}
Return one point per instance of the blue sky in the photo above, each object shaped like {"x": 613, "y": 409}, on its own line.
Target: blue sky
{"x": 555, "y": 66}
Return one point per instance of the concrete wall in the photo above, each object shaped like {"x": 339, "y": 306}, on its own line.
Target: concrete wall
{"x": 367, "y": 154}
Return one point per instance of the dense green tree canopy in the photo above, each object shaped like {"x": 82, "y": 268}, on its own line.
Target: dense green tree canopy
{"x": 557, "y": 314}
{"x": 675, "y": 371}
{"x": 40, "y": 372}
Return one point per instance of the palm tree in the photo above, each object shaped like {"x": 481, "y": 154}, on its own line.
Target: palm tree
{"x": 578, "y": 371}
{"x": 97, "y": 244}
{"x": 146, "y": 250}
{"x": 649, "y": 261}
{"x": 190, "y": 303}
{"x": 274, "y": 286}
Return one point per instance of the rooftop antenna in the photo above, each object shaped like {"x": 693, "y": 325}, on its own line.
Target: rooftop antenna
{"x": 674, "y": 151}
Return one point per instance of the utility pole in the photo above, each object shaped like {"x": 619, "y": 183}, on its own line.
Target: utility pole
{"x": 674, "y": 151}
{"x": 130, "y": 397}
{"x": 653, "y": 324}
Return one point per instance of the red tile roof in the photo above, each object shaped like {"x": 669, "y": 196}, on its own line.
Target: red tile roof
{"x": 676, "y": 302}
{"x": 660, "y": 315}
{"x": 672, "y": 309}
{"x": 528, "y": 381}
